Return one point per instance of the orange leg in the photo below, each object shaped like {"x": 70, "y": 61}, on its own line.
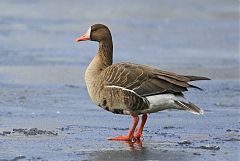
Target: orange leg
{"x": 130, "y": 136}
{"x": 139, "y": 134}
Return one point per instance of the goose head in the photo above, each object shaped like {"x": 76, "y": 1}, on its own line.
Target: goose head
{"x": 97, "y": 32}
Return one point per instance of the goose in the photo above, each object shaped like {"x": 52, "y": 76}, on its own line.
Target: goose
{"x": 132, "y": 89}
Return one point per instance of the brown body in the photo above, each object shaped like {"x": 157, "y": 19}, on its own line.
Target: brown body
{"x": 132, "y": 89}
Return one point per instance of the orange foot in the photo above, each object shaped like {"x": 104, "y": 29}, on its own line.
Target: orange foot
{"x": 139, "y": 136}
{"x": 123, "y": 138}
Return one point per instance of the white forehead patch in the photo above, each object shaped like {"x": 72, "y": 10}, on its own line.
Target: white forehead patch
{"x": 88, "y": 33}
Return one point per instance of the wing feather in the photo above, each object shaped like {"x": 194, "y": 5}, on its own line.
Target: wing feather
{"x": 146, "y": 80}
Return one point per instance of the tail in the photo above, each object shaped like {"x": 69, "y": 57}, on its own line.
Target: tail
{"x": 189, "y": 107}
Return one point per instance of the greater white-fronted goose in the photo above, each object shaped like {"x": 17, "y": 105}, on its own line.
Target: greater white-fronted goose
{"x": 132, "y": 89}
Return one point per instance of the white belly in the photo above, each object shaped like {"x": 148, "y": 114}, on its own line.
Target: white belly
{"x": 163, "y": 101}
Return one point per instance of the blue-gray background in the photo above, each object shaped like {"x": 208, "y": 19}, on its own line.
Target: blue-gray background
{"x": 42, "y": 67}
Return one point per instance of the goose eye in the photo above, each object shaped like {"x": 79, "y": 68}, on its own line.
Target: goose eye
{"x": 94, "y": 29}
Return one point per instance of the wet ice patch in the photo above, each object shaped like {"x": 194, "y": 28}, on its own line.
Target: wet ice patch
{"x": 210, "y": 147}
{"x": 29, "y": 132}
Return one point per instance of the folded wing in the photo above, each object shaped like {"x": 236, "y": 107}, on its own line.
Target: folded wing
{"x": 147, "y": 81}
